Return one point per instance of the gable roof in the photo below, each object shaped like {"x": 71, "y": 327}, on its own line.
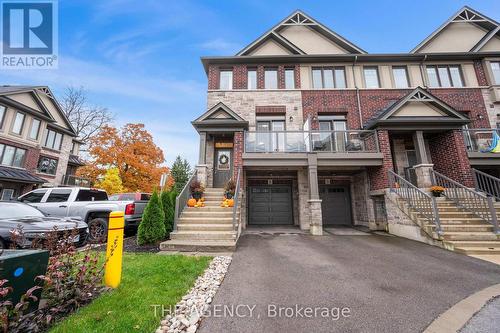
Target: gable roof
{"x": 417, "y": 95}
{"x": 299, "y": 18}
{"x": 219, "y": 117}
{"x": 468, "y": 15}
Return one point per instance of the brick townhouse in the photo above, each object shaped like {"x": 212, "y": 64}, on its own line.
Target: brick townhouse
{"x": 38, "y": 145}
{"x": 314, "y": 125}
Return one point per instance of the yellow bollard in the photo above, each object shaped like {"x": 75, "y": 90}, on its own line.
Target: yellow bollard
{"x": 114, "y": 250}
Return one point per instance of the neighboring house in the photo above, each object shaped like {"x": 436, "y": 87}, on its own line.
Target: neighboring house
{"x": 38, "y": 145}
{"x": 315, "y": 123}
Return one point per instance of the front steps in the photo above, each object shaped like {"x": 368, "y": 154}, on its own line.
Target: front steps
{"x": 204, "y": 229}
{"x": 463, "y": 231}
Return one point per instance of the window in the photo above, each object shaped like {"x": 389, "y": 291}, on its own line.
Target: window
{"x": 74, "y": 148}
{"x": 57, "y": 195}
{"x": 53, "y": 140}
{"x": 35, "y": 128}
{"x": 17, "y": 127}
{"x": 371, "y": 77}
{"x": 270, "y": 78}
{"x": 328, "y": 77}
{"x": 7, "y": 194}
{"x": 91, "y": 195}
{"x": 47, "y": 165}
{"x": 332, "y": 135}
{"x": 495, "y": 68}
{"x": 34, "y": 197}
{"x": 252, "y": 79}
{"x": 2, "y": 115}
{"x": 400, "y": 75}
{"x": 226, "y": 79}
{"x": 289, "y": 78}
{"x": 444, "y": 76}
{"x": 12, "y": 156}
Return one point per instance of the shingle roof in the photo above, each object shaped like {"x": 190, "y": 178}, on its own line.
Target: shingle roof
{"x": 19, "y": 175}
{"x": 75, "y": 160}
{"x": 11, "y": 89}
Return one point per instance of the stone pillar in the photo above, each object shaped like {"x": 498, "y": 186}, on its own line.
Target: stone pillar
{"x": 423, "y": 173}
{"x": 203, "y": 148}
{"x": 419, "y": 142}
{"x": 202, "y": 174}
{"x": 315, "y": 216}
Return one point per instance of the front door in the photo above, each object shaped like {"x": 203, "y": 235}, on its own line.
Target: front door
{"x": 223, "y": 166}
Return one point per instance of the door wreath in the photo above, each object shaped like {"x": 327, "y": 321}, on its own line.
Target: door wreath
{"x": 223, "y": 159}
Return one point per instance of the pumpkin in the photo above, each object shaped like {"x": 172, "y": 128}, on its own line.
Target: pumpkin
{"x": 191, "y": 202}
{"x": 230, "y": 202}
{"x": 202, "y": 199}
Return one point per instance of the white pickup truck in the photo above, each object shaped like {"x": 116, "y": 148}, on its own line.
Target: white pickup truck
{"x": 91, "y": 205}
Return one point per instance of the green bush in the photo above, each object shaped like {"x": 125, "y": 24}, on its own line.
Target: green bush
{"x": 168, "y": 203}
{"x": 152, "y": 227}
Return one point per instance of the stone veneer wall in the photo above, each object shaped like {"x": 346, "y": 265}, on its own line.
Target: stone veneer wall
{"x": 450, "y": 158}
{"x": 360, "y": 199}
{"x": 62, "y": 156}
{"x": 303, "y": 188}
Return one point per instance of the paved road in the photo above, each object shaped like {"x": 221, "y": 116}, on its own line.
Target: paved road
{"x": 389, "y": 284}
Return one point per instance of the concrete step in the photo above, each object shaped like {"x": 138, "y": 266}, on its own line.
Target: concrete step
{"x": 217, "y": 208}
{"x": 214, "y": 220}
{"x": 194, "y": 236}
{"x": 205, "y": 227}
{"x": 477, "y": 250}
{"x": 204, "y": 213}
{"x": 474, "y": 243}
{"x": 468, "y": 236}
{"x": 198, "y": 246}
{"x": 457, "y": 214}
{"x": 462, "y": 228}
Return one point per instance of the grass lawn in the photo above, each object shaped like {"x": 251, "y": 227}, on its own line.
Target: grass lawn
{"x": 147, "y": 279}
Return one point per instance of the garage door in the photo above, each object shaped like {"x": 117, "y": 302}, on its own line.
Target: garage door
{"x": 335, "y": 205}
{"x": 270, "y": 205}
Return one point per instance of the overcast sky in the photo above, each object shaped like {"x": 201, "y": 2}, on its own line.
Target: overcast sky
{"x": 141, "y": 59}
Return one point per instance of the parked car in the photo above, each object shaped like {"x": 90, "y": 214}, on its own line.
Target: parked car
{"x": 16, "y": 216}
{"x": 136, "y": 196}
{"x": 91, "y": 205}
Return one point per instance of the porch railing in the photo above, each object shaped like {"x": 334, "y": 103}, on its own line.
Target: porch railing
{"x": 236, "y": 219}
{"x": 182, "y": 199}
{"x": 486, "y": 183}
{"x": 477, "y": 203}
{"x": 477, "y": 140}
{"x": 422, "y": 202}
{"x": 349, "y": 141}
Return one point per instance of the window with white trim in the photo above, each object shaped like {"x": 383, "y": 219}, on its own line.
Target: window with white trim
{"x": 17, "y": 127}
{"x": 328, "y": 77}
{"x": 371, "y": 77}
{"x": 271, "y": 78}
{"x": 400, "y": 74}
{"x": 289, "y": 78}
{"x": 53, "y": 140}
{"x": 252, "y": 78}
{"x": 12, "y": 156}
{"x": 35, "y": 129}
{"x": 226, "y": 79}
{"x": 444, "y": 76}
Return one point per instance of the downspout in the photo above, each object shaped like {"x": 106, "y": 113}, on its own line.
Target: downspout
{"x": 422, "y": 72}
{"x": 358, "y": 102}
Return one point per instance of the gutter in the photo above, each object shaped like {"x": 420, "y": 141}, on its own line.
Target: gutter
{"x": 422, "y": 72}
{"x": 358, "y": 102}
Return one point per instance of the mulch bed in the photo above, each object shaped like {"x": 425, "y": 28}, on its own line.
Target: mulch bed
{"x": 130, "y": 245}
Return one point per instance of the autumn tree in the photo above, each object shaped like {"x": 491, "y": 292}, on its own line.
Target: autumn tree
{"x": 180, "y": 172}
{"x": 132, "y": 151}
{"x": 112, "y": 182}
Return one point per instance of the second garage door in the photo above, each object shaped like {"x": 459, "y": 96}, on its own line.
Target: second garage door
{"x": 270, "y": 205}
{"x": 335, "y": 205}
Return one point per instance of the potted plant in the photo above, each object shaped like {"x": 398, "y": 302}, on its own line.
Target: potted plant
{"x": 196, "y": 189}
{"x": 437, "y": 191}
{"x": 229, "y": 189}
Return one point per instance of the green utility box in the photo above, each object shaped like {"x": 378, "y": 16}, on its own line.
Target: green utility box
{"x": 20, "y": 267}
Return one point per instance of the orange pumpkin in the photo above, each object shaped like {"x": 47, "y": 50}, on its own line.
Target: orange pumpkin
{"x": 191, "y": 202}
{"x": 230, "y": 202}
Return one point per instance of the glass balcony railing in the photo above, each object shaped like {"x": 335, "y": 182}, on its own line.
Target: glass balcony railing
{"x": 350, "y": 141}
{"x": 477, "y": 140}
{"x": 72, "y": 180}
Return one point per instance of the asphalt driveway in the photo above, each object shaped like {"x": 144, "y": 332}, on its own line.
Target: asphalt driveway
{"x": 387, "y": 284}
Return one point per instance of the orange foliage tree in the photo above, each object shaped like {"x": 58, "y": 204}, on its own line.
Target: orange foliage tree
{"x": 132, "y": 151}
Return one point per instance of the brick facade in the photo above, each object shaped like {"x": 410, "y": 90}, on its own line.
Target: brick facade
{"x": 449, "y": 156}
{"x": 378, "y": 175}
{"x": 31, "y": 157}
{"x": 316, "y": 102}
{"x": 480, "y": 74}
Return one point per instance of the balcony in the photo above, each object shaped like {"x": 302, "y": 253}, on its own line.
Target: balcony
{"x": 287, "y": 148}
{"x": 477, "y": 141}
{"x": 72, "y": 180}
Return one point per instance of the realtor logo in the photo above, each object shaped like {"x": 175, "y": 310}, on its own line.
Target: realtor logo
{"x": 29, "y": 34}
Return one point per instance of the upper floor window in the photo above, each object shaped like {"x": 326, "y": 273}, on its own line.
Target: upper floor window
{"x": 371, "y": 77}
{"x": 400, "y": 74}
{"x": 271, "y": 78}
{"x": 2, "y": 115}
{"x": 328, "y": 77}
{"x": 53, "y": 140}
{"x": 289, "y": 78}
{"x": 35, "y": 129}
{"x": 495, "y": 68}
{"x": 252, "y": 78}
{"x": 47, "y": 165}
{"x": 12, "y": 156}
{"x": 17, "y": 127}
{"x": 74, "y": 148}
{"x": 226, "y": 79}
{"x": 444, "y": 76}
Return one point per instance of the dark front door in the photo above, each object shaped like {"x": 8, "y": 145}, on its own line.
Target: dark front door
{"x": 223, "y": 166}
{"x": 335, "y": 205}
{"x": 270, "y": 205}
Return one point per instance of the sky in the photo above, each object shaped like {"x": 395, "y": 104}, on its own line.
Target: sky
{"x": 141, "y": 59}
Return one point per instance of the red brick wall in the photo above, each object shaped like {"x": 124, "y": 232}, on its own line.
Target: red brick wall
{"x": 481, "y": 76}
{"x": 449, "y": 156}
{"x": 270, "y": 109}
{"x": 378, "y": 175}
{"x": 315, "y": 102}
{"x": 32, "y": 154}
{"x": 237, "y": 152}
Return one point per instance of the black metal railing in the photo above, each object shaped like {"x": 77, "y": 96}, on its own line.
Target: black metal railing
{"x": 422, "y": 202}
{"x": 182, "y": 199}
{"x": 474, "y": 202}
{"x": 236, "y": 217}
{"x": 486, "y": 183}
